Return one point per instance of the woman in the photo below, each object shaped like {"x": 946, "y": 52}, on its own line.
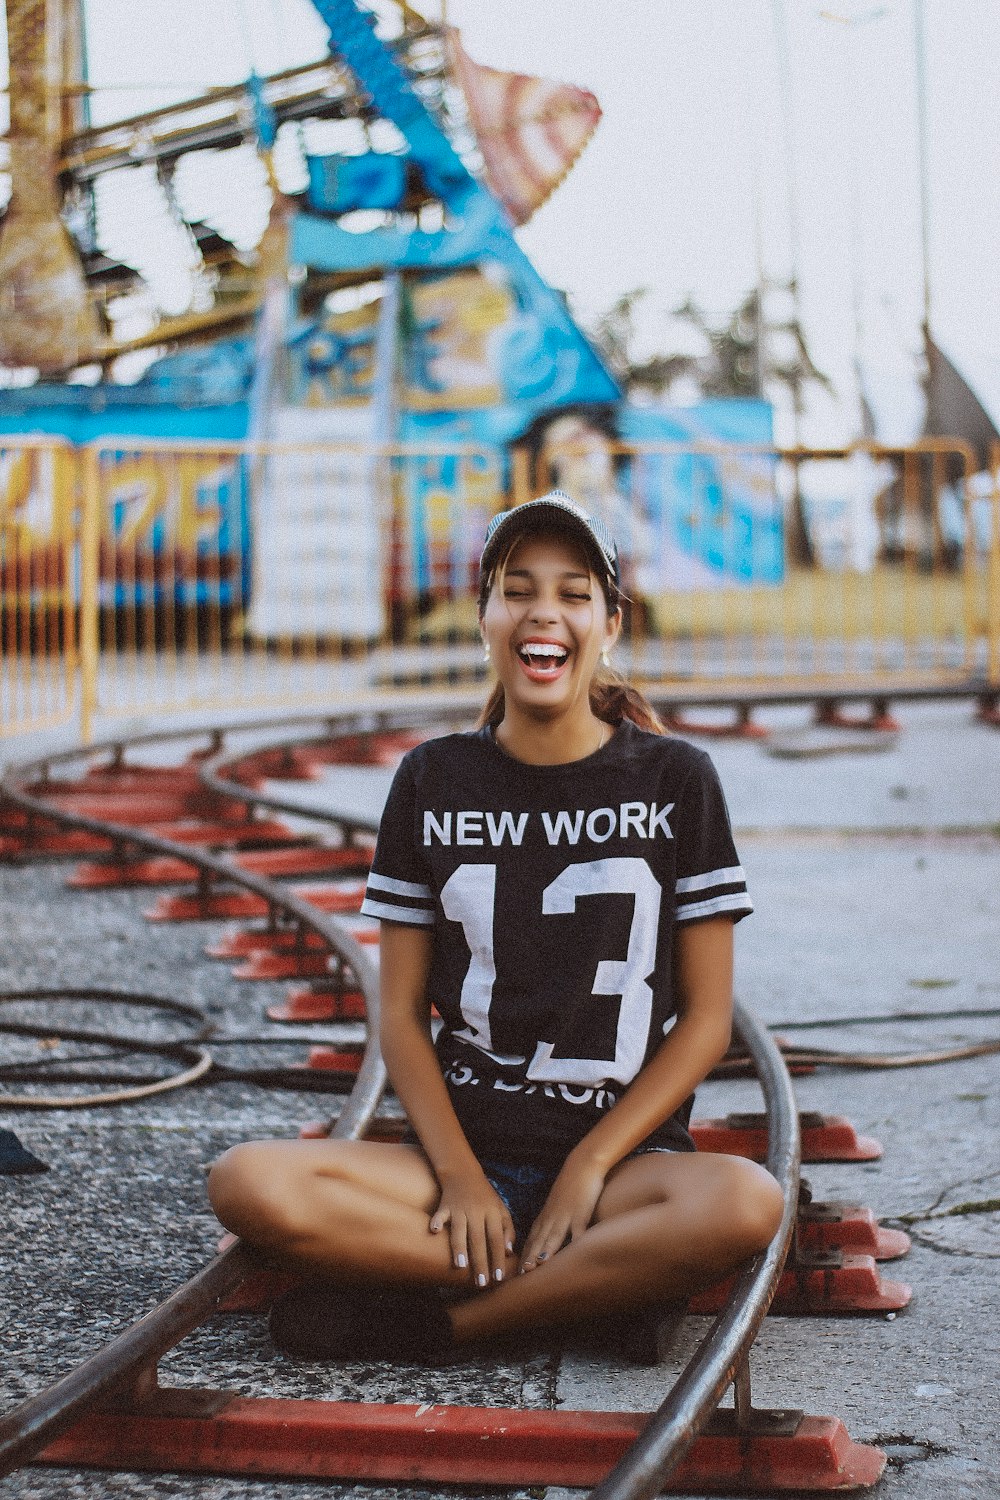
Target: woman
{"x": 561, "y": 884}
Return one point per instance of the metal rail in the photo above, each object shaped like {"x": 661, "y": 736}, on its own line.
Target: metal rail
{"x": 126, "y": 1368}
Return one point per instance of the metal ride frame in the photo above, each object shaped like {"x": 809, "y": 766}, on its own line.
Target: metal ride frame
{"x": 133, "y": 1423}
{"x": 135, "y": 599}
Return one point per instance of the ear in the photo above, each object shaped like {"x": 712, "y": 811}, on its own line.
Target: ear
{"x": 613, "y": 629}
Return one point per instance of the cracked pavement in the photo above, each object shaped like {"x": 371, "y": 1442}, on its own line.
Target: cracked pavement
{"x": 877, "y": 885}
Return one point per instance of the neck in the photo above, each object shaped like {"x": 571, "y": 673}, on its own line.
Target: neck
{"x": 551, "y": 742}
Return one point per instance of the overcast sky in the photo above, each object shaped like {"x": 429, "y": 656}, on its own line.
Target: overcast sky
{"x": 697, "y": 144}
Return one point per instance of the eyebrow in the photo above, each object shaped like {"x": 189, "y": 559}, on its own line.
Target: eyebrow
{"x": 527, "y": 573}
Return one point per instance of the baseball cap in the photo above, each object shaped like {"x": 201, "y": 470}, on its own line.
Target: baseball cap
{"x": 559, "y": 509}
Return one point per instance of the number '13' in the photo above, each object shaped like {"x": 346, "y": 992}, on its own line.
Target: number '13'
{"x": 469, "y": 896}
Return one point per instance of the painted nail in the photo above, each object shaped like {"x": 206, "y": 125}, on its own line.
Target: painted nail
{"x": 498, "y": 1274}
{"x": 481, "y": 1279}
{"x": 543, "y": 1255}
{"x": 510, "y": 1247}
{"x": 461, "y": 1262}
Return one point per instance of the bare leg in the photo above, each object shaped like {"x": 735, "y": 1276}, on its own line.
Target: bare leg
{"x": 353, "y": 1210}
{"x": 665, "y": 1226}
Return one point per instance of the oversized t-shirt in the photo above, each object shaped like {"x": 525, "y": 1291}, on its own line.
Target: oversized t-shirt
{"x": 554, "y": 893}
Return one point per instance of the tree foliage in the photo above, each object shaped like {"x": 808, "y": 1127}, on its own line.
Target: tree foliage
{"x": 738, "y": 358}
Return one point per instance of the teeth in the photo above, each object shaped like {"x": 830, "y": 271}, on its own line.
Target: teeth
{"x": 543, "y": 648}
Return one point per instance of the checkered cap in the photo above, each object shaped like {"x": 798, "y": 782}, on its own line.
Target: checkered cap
{"x": 555, "y": 507}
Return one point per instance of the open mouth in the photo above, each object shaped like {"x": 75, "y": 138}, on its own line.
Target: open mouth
{"x": 542, "y": 659}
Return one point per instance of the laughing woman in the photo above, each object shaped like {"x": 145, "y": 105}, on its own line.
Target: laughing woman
{"x": 561, "y": 885}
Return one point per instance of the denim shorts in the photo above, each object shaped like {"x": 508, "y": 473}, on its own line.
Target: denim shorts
{"x": 524, "y": 1188}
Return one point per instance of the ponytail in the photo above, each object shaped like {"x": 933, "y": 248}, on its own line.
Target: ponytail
{"x": 612, "y": 699}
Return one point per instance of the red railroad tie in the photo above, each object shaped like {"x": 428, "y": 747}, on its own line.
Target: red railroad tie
{"x": 307, "y": 859}
{"x": 202, "y": 906}
{"x": 847, "y": 1226}
{"x": 73, "y": 841}
{"x": 319, "y": 1002}
{"x": 140, "y": 809}
{"x": 211, "y": 1432}
{"x": 230, "y": 834}
{"x": 125, "y": 779}
{"x": 827, "y": 1283}
{"x": 988, "y": 710}
{"x": 158, "y": 870}
{"x": 303, "y": 964}
{"x": 334, "y": 1059}
{"x": 830, "y": 715}
{"x": 369, "y": 749}
{"x": 279, "y": 765}
{"x": 266, "y": 940}
{"x": 824, "y": 1137}
{"x": 740, "y": 728}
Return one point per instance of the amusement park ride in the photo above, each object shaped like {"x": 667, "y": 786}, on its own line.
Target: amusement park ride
{"x": 63, "y": 301}
{"x": 388, "y": 303}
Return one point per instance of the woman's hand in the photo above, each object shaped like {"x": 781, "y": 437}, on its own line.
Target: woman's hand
{"x": 482, "y": 1231}
{"x": 568, "y": 1210}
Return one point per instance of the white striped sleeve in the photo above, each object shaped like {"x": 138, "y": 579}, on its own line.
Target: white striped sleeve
{"x": 710, "y": 878}
{"x": 412, "y": 916}
{"x": 395, "y": 891}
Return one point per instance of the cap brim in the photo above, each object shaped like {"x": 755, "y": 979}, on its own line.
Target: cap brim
{"x": 539, "y": 516}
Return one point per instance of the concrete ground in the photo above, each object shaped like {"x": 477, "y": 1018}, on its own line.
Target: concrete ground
{"x": 877, "y": 882}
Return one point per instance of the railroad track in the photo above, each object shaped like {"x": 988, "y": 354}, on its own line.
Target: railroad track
{"x": 209, "y": 830}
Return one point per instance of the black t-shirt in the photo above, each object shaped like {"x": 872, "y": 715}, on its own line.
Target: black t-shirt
{"x": 554, "y": 893}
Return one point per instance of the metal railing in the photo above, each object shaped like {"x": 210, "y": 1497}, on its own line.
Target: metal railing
{"x": 140, "y": 579}
{"x": 125, "y": 1370}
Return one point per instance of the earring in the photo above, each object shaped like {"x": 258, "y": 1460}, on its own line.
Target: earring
{"x": 486, "y": 651}
{"x": 605, "y": 658}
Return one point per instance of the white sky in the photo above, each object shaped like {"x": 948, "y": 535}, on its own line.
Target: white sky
{"x": 690, "y": 149}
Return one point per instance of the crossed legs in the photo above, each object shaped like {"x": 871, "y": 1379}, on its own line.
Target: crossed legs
{"x": 665, "y": 1226}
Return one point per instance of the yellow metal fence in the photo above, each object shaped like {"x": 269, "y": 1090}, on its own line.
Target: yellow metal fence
{"x": 142, "y": 579}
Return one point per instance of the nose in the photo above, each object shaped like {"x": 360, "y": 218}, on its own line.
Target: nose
{"x": 544, "y": 607}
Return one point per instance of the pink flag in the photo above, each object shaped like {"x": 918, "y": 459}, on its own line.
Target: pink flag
{"x": 529, "y": 130}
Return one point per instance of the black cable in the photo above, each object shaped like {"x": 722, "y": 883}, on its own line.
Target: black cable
{"x": 885, "y": 1018}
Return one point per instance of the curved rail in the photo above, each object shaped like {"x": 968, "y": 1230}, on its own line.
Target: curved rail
{"x": 721, "y": 1357}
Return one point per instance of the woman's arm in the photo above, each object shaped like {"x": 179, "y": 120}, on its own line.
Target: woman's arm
{"x": 482, "y": 1234}
{"x": 699, "y": 1037}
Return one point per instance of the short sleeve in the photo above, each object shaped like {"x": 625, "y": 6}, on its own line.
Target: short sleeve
{"x": 710, "y": 878}
{"x": 398, "y": 888}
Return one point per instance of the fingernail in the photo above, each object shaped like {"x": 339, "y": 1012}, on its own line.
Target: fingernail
{"x": 461, "y": 1262}
{"x": 543, "y": 1255}
{"x": 498, "y": 1274}
{"x": 481, "y": 1279}
{"x": 510, "y": 1247}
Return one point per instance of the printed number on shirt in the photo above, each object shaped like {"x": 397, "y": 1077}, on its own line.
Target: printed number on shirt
{"x": 469, "y": 897}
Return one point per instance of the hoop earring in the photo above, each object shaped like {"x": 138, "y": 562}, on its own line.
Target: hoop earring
{"x": 486, "y": 651}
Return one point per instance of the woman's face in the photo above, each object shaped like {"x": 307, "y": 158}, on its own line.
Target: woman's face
{"x": 546, "y": 623}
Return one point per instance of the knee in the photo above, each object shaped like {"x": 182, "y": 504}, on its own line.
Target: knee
{"x": 753, "y": 1206}
{"x": 250, "y": 1195}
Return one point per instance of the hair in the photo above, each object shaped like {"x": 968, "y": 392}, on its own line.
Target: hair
{"x": 612, "y": 698}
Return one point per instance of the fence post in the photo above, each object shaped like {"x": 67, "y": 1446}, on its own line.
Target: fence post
{"x": 993, "y": 577}
{"x": 521, "y": 475}
{"x": 90, "y": 542}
